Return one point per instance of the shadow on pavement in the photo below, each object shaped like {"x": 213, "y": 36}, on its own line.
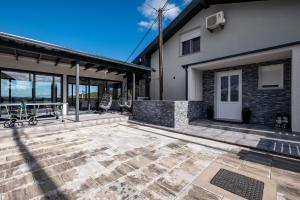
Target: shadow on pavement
{"x": 44, "y": 182}
{"x": 284, "y": 163}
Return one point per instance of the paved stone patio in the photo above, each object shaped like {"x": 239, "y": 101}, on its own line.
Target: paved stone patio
{"x": 290, "y": 147}
{"x": 287, "y": 147}
{"x": 127, "y": 161}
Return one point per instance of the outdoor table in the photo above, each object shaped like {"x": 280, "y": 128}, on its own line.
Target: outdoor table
{"x": 36, "y": 107}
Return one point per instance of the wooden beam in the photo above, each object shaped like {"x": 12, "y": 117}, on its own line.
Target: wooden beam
{"x": 17, "y": 55}
{"x": 100, "y": 68}
{"x": 88, "y": 65}
{"x": 57, "y": 61}
{"x": 120, "y": 72}
{"x": 112, "y": 70}
{"x": 73, "y": 63}
{"x": 38, "y": 59}
{"x": 66, "y": 55}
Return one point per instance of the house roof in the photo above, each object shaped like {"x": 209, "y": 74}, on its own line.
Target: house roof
{"x": 185, "y": 16}
{"x": 25, "y": 47}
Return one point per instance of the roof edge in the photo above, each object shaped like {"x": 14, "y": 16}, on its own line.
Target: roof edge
{"x": 69, "y": 50}
{"x": 185, "y": 16}
{"x": 246, "y": 53}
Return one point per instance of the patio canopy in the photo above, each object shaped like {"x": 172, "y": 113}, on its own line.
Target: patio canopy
{"x": 24, "y": 47}
{"x": 41, "y": 51}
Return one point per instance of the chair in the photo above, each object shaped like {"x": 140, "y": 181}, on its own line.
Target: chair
{"x": 84, "y": 105}
{"x": 93, "y": 104}
{"x": 125, "y": 104}
{"x": 105, "y": 102}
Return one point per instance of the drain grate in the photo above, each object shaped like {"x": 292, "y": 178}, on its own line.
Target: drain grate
{"x": 238, "y": 184}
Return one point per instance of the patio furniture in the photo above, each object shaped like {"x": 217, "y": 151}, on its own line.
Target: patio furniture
{"x": 18, "y": 113}
{"x": 84, "y": 105}
{"x": 93, "y": 105}
{"x": 125, "y": 104}
{"x": 106, "y": 102}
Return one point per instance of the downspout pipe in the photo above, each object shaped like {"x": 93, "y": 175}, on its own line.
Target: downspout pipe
{"x": 185, "y": 67}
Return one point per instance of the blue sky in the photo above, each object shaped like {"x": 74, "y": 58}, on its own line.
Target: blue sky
{"x": 108, "y": 28}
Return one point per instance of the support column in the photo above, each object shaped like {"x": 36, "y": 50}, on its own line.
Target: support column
{"x": 195, "y": 84}
{"x": 65, "y": 94}
{"x": 296, "y": 89}
{"x": 133, "y": 86}
{"x": 77, "y": 93}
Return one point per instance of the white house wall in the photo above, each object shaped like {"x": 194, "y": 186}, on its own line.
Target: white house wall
{"x": 194, "y": 85}
{"x": 7, "y": 61}
{"x": 249, "y": 26}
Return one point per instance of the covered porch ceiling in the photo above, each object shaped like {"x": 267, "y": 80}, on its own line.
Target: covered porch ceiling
{"x": 28, "y": 48}
{"x": 251, "y": 58}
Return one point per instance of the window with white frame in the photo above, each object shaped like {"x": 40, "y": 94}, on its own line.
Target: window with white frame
{"x": 190, "y": 42}
{"x": 271, "y": 77}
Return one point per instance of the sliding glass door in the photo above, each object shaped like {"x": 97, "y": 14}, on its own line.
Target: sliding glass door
{"x": 94, "y": 96}
{"x": 91, "y": 91}
{"x": 17, "y": 86}
{"x": 97, "y": 89}
{"x": 83, "y": 94}
{"x": 114, "y": 88}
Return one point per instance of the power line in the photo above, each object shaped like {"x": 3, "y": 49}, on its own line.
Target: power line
{"x": 174, "y": 7}
{"x": 148, "y": 31}
{"x": 165, "y": 5}
{"x": 151, "y": 7}
{"x": 143, "y": 38}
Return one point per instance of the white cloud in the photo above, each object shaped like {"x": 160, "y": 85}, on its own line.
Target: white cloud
{"x": 172, "y": 10}
{"x": 147, "y": 24}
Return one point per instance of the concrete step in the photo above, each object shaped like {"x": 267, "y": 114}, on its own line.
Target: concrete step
{"x": 272, "y": 133}
{"x": 8, "y": 132}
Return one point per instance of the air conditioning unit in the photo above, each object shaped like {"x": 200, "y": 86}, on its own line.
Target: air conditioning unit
{"x": 215, "y": 21}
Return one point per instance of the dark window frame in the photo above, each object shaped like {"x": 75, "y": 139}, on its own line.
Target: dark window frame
{"x": 190, "y": 43}
{"x": 89, "y": 83}
{"x": 34, "y": 82}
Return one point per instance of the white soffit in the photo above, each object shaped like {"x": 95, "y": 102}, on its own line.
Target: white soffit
{"x": 246, "y": 59}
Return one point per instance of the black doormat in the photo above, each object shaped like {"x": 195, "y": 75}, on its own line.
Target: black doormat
{"x": 238, "y": 184}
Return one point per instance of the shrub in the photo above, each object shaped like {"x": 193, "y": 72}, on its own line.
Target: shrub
{"x": 246, "y": 113}
{"x": 210, "y": 112}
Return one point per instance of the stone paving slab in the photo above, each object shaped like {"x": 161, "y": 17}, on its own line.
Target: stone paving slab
{"x": 269, "y": 144}
{"x": 127, "y": 161}
{"x": 254, "y": 129}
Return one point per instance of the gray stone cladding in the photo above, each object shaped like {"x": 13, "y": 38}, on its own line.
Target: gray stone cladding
{"x": 264, "y": 103}
{"x": 167, "y": 113}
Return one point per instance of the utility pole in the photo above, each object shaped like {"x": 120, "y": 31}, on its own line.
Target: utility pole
{"x": 160, "y": 44}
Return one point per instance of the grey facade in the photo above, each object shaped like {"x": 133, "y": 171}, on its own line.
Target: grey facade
{"x": 256, "y": 33}
{"x": 167, "y": 113}
{"x": 263, "y": 103}
{"x": 250, "y": 26}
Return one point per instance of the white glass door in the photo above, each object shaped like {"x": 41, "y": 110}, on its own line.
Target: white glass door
{"x": 229, "y": 95}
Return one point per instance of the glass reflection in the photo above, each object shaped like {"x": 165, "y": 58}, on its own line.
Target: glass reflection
{"x": 20, "y": 86}
{"x": 43, "y": 88}
{"x": 224, "y": 88}
{"x": 234, "y": 88}
{"x": 17, "y": 86}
